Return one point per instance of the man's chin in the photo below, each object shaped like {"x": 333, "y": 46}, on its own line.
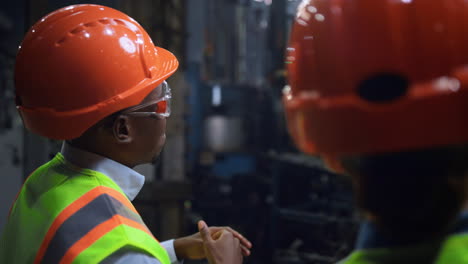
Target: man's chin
{"x": 156, "y": 160}
{"x": 157, "y": 156}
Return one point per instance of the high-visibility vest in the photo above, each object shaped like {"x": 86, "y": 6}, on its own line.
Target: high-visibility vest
{"x": 67, "y": 214}
{"x": 454, "y": 250}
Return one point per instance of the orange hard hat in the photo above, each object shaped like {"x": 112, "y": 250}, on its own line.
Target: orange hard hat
{"x": 82, "y": 63}
{"x": 370, "y": 77}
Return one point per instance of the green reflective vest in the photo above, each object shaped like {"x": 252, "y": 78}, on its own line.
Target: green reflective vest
{"x": 454, "y": 250}
{"x": 67, "y": 214}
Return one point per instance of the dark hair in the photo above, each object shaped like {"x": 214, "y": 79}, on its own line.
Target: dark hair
{"x": 108, "y": 121}
{"x": 413, "y": 195}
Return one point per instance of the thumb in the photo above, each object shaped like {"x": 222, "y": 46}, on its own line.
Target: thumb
{"x": 204, "y": 232}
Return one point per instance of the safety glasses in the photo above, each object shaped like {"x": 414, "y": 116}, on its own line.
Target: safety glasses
{"x": 162, "y": 106}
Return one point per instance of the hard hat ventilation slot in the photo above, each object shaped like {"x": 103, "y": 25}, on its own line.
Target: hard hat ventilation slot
{"x": 90, "y": 24}
{"x": 120, "y": 22}
{"x": 77, "y": 30}
{"x": 60, "y": 41}
{"x": 383, "y": 88}
{"x": 104, "y": 21}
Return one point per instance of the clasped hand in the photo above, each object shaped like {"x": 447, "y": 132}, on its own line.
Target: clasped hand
{"x": 220, "y": 245}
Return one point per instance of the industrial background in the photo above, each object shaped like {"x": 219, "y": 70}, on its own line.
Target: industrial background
{"x": 228, "y": 158}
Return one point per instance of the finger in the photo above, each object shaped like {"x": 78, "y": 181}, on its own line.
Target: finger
{"x": 216, "y": 235}
{"x": 236, "y": 242}
{"x": 245, "y": 251}
{"x": 224, "y": 234}
{"x": 215, "y": 230}
{"x": 238, "y": 245}
{"x": 244, "y": 241}
{"x": 204, "y": 232}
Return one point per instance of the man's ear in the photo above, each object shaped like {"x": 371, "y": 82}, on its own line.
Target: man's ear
{"x": 122, "y": 129}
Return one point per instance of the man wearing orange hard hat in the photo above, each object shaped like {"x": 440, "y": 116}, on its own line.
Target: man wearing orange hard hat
{"x": 379, "y": 89}
{"x": 91, "y": 76}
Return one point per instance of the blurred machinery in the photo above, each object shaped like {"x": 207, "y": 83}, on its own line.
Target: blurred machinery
{"x": 11, "y": 131}
{"x": 244, "y": 169}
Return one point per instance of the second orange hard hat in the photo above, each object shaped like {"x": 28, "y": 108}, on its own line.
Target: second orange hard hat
{"x": 371, "y": 77}
{"x": 82, "y": 63}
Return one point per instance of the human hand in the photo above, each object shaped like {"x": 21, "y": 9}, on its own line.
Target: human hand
{"x": 222, "y": 247}
{"x": 192, "y": 247}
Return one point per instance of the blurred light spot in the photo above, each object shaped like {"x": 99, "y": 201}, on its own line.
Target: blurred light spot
{"x": 447, "y": 84}
{"x": 287, "y": 92}
{"x": 302, "y": 12}
{"x": 302, "y": 22}
{"x": 312, "y": 9}
{"x": 319, "y": 17}
{"x": 127, "y": 45}
{"x": 108, "y": 31}
{"x": 132, "y": 27}
{"x": 216, "y": 95}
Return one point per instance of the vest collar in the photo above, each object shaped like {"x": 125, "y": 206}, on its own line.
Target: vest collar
{"x": 126, "y": 178}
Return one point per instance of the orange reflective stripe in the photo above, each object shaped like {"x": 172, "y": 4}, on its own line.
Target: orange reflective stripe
{"x": 119, "y": 197}
{"x": 98, "y": 232}
{"x": 72, "y": 209}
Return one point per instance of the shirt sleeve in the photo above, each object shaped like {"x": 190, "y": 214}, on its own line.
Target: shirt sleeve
{"x": 169, "y": 246}
{"x": 127, "y": 255}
